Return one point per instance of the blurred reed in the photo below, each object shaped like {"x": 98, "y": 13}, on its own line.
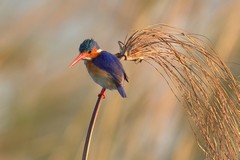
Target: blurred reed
{"x": 199, "y": 79}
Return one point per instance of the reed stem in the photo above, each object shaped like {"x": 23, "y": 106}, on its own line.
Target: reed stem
{"x": 91, "y": 125}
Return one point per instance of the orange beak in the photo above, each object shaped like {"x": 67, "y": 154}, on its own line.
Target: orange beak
{"x": 78, "y": 58}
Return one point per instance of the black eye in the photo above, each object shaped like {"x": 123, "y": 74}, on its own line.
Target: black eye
{"x": 89, "y": 51}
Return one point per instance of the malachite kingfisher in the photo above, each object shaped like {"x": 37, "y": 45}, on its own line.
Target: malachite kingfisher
{"x": 104, "y": 67}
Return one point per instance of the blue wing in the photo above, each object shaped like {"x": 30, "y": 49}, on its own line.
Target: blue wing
{"x": 111, "y": 64}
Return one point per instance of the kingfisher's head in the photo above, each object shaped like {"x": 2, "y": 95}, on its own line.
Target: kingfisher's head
{"x": 88, "y": 50}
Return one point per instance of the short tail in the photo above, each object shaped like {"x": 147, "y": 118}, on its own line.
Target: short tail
{"x": 121, "y": 91}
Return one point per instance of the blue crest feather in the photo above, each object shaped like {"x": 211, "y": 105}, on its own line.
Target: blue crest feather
{"x": 88, "y": 45}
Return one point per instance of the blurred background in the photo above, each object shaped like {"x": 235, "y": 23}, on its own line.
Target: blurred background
{"x": 45, "y": 106}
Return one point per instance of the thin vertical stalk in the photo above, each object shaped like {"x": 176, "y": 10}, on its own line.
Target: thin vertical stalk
{"x": 91, "y": 125}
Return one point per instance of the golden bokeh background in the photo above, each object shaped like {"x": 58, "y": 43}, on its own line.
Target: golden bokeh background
{"x": 45, "y": 106}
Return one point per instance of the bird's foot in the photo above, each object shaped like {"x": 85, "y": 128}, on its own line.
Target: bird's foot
{"x": 102, "y": 93}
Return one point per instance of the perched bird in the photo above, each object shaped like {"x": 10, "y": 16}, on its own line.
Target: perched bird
{"x": 104, "y": 67}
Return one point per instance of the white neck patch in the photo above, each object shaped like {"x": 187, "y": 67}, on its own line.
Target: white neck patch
{"x": 99, "y": 50}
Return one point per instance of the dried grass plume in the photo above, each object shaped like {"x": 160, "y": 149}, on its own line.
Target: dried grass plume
{"x": 199, "y": 79}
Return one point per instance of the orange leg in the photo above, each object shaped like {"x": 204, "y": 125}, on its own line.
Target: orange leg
{"x": 101, "y": 94}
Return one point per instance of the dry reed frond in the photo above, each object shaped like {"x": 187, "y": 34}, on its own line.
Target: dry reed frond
{"x": 207, "y": 87}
